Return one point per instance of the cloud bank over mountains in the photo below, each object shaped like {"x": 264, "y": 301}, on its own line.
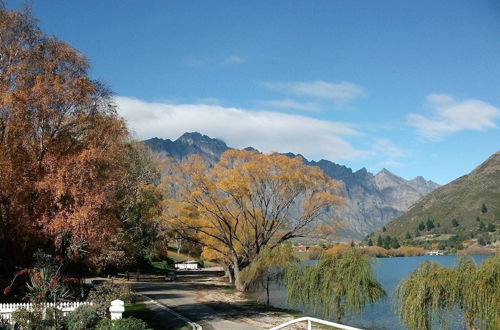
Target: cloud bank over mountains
{"x": 265, "y": 130}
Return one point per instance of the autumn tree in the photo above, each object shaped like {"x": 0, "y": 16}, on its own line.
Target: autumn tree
{"x": 62, "y": 147}
{"x": 246, "y": 202}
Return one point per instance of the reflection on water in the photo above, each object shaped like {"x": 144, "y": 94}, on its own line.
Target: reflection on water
{"x": 379, "y": 316}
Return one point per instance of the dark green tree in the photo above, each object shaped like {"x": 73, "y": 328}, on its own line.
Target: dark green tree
{"x": 370, "y": 242}
{"x": 484, "y": 209}
{"x": 387, "y": 242}
{"x": 491, "y": 228}
{"x": 421, "y": 226}
{"x": 395, "y": 243}
{"x": 380, "y": 241}
{"x": 478, "y": 219}
{"x": 429, "y": 225}
{"x": 384, "y": 229}
{"x": 482, "y": 227}
{"x": 455, "y": 223}
{"x": 408, "y": 235}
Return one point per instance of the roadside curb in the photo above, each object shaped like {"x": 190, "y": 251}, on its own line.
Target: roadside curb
{"x": 194, "y": 325}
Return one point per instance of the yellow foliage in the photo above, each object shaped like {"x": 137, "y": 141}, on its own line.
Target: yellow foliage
{"x": 410, "y": 251}
{"x": 245, "y": 202}
{"x": 376, "y": 251}
{"x": 338, "y": 249}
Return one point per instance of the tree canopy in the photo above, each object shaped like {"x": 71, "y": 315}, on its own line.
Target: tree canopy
{"x": 434, "y": 292}
{"x": 245, "y": 202}
{"x": 339, "y": 284}
{"x": 65, "y": 155}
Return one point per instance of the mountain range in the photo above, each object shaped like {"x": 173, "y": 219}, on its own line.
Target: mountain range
{"x": 466, "y": 206}
{"x": 370, "y": 200}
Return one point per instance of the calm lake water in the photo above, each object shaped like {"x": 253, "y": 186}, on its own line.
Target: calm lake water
{"x": 380, "y": 316}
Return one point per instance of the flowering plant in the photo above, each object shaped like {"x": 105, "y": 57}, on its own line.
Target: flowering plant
{"x": 45, "y": 283}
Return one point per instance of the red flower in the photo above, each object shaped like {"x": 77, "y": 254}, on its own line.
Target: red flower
{"x": 53, "y": 282}
{"x": 7, "y": 290}
{"x": 58, "y": 258}
{"x": 41, "y": 294}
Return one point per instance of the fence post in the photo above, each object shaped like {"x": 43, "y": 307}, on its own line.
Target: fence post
{"x": 309, "y": 325}
{"x": 117, "y": 308}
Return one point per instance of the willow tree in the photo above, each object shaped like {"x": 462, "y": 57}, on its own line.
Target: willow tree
{"x": 426, "y": 294}
{"x": 339, "y": 284}
{"x": 246, "y": 202}
{"x": 268, "y": 266}
{"x": 435, "y": 292}
{"x": 482, "y": 295}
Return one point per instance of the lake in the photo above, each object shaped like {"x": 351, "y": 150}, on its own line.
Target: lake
{"x": 380, "y": 316}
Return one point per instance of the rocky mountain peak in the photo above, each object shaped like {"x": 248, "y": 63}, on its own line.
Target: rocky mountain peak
{"x": 370, "y": 200}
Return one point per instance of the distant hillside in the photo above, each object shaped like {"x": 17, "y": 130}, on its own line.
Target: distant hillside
{"x": 467, "y": 207}
{"x": 370, "y": 200}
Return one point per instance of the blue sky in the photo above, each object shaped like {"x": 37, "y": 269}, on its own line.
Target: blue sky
{"x": 412, "y": 86}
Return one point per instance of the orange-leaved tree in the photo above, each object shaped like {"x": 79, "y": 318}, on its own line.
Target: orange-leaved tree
{"x": 61, "y": 146}
{"x": 246, "y": 202}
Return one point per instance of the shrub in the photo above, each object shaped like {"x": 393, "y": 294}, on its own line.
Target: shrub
{"x": 106, "y": 293}
{"x": 82, "y": 318}
{"x": 375, "y": 251}
{"x": 410, "y": 251}
{"x": 129, "y": 323}
{"x": 34, "y": 320}
{"x": 338, "y": 249}
{"x": 316, "y": 252}
{"x": 5, "y": 325}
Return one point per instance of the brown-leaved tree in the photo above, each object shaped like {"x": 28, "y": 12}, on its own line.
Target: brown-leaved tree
{"x": 61, "y": 146}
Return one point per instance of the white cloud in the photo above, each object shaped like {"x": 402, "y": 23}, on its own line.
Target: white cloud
{"x": 340, "y": 92}
{"x": 385, "y": 147}
{"x": 291, "y": 104}
{"x": 239, "y": 128}
{"x": 234, "y": 60}
{"x": 452, "y": 116}
{"x": 196, "y": 62}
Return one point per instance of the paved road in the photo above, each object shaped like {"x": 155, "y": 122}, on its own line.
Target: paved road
{"x": 182, "y": 298}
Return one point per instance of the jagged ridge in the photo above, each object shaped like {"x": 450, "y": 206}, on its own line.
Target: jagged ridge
{"x": 370, "y": 200}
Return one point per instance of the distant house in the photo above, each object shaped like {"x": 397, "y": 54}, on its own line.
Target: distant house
{"x": 435, "y": 253}
{"x": 187, "y": 264}
{"x": 300, "y": 248}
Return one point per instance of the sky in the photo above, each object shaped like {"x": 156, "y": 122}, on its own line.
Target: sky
{"x": 411, "y": 86}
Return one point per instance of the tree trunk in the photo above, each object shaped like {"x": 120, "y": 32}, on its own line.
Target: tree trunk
{"x": 229, "y": 274}
{"x": 267, "y": 290}
{"x": 237, "y": 281}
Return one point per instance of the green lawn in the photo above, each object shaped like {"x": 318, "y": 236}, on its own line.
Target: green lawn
{"x": 140, "y": 310}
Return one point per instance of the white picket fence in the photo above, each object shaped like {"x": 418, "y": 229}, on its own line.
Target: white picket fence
{"x": 6, "y": 310}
